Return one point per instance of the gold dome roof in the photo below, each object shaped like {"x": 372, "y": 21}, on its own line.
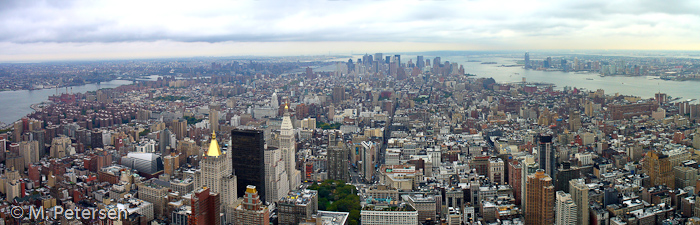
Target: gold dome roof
{"x": 214, "y": 149}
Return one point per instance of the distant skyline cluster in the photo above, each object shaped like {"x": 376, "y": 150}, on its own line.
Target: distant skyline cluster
{"x": 76, "y": 29}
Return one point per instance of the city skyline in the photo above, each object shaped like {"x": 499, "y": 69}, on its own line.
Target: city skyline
{"x": 44, "y": 31}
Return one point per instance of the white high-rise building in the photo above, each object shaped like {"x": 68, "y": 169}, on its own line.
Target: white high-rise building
{"x": 216, "y": 174}
{"x": 579, "y": 193}
{"x": 274, "y": 101}
{"x": 288, "y": 148}
{"x": 565, "y": 209}
{"x": 276, "y": 178}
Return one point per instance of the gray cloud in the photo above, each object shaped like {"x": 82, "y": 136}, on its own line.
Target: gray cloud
{"x": 76, "y": 21}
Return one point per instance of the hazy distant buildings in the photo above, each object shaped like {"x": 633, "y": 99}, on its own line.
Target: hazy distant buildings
{"x": 527, "y": 60}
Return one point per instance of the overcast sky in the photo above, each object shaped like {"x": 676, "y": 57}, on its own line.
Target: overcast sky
{"x": 90, "y": 29}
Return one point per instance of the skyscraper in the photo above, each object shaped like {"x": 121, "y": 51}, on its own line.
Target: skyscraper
{"x": 378, "y": 57}
{"x": 217, "y": 176}
{"x": 251, "y": 210}
{"x": 166, "y": 140}
{"x": 247, "y": 157}
{"x": 368, "y": 154}
{"x": 338, "y": 94}
{"x": 566, "y": 209}
{"x": 276, "y": 178}
{"x": 337, "y": 160}
{"x": 288, "y": 147}
{"x": 180, "y": 128}
{"x": 579, "y": 193}
{"x": 420, "y": 63}
{"x": 205, "y": 207}
{"x": 527, "y": 60}
{"x": 540, "y": 199}
{"x": 545, "y": 151}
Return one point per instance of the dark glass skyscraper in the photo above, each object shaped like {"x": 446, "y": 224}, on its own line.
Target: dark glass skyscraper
{"x": 546, "y": 154}
{"x": 248, "y": 155}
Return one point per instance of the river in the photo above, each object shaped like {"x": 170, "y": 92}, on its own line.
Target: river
{"x": 16, "y": 104}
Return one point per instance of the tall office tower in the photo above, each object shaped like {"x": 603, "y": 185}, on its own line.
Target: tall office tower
{"x": 527, "y": 60}
{"x": 275, "y": 101}
{"x": 248, "y": 159}
{"x": 288, "y": 144}
{"x": 420, "y": 62}
{"x": 387, "y": 59}
{"x": 180, "y": 128}
{"x": 276, "y": 178}
{"x": 540, "y": 199}
{"x": 658, "y": 166}
{"x": 579, "y": 193}
{"x": 369, "y": 159}
{"x": 574, "y": 120}
{"x": 378, "y": 57}
{"x": 565, "y": 209}
{"x": 545, "y": 151}
{"x": 338, "y": 94}
{"x": 436, "y": 65}
{"x": 216, "y": 175}
{"x": 549, "y": 62}
{"x": 338, "y": 159}
{"x": 563, "y": 65}
{"x": 351, "y": 65}
{"x": 167, "y": 139}
{"x": 251, "y": 210}
{"x": 398, "y": 59}
{"x": 375, "y": 66}
{"x": 205, "y": 207}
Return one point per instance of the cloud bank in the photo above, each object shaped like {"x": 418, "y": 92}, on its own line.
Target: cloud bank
{"x": 28, "y": 26}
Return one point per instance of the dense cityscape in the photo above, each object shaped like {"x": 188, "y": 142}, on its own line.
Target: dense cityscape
{"x": 377, "y": 139}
